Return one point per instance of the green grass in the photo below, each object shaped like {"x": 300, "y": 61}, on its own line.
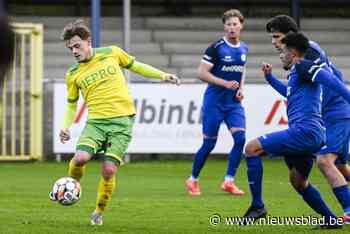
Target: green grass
{"x": 150, "y": 199}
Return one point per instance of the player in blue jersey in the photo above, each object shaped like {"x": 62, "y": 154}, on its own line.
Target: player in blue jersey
{"x": 305, "y": 134}
{"x": 332, "y": 158}
{"x": 223, "y": 68}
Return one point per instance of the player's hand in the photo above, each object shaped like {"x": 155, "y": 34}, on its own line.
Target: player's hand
{"x": 64, "y": 135}
{"x": 172, "y": 79}
{"x": 266, "y": 68}
{"x": 239, "y": 94}
{"x": 231, "y": 84}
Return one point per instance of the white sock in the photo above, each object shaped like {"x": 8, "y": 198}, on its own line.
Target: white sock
{"x": 192, "y": 178}
{"x": 229, "y": 178}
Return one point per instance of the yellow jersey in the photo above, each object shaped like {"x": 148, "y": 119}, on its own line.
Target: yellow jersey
{"x": 102, "y": 83}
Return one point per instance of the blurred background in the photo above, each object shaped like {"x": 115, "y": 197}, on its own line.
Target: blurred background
{"x": 168, "y": 34}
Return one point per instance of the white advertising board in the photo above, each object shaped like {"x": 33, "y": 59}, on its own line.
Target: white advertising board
{"x": 168, "y": 117}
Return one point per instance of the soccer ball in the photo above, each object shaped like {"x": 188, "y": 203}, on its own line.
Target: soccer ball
{"x": 66, "y": 191}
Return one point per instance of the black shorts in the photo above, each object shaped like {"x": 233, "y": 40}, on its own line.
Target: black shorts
{"x": 303, "y": 164}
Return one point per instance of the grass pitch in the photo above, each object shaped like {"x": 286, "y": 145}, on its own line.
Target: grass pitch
{"x": 150, "y": 198}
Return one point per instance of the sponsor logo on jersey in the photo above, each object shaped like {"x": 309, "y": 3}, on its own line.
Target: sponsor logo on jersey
{"x": 227, "y": 59}
{"x": 99, "y": 74}
{"x": 232, "y": 68}
{"x": 243, "y": 57}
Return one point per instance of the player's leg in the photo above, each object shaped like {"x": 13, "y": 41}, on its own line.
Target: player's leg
{"x": 335, "y": 152}
{"x": 342, "y": 161}
{"x": 211, "y": 124}
{"x": 253, "y": 150}
{"x": 326, "y": 163}
{"x": 277, "y": 143}
{"x": 88, "y": 144}
{"x": 105, "y": 190}
{"x": 76, "y": 167}
{"x": 118, "y": 132}
{"x": 299, "y": 170}
{"x": 336, "y": 180}
{"x": 343, "y": 167}
{"x": 345, "y": 170}
{"x": 236, "y": 124}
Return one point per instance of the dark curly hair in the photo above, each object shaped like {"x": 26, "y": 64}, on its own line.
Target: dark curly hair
{"x": 282, "y": 23}
{"x": 297, "y": 41}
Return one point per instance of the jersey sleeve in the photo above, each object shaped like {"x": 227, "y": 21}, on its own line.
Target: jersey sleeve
{"x": 125, "y": 60}
{"x": 326, "y": 78}
{"x": 210, "y": 55}
{"x": 307, "y": 70}
{"x": 336, "y": 71}
{"x": 72, "y": 89}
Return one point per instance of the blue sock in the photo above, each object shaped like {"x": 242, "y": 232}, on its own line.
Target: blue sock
{"x": 313, "y": 198}
{"x": 343, "y": 195}
{"x": 201, "y": 156}
{"x": 255, "y": 174}
{"x": 235, "y": 155}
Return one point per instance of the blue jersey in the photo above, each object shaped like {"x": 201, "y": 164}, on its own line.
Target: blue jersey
{"x": 334, "y": 107}
{"x": 228, "y": 62}
{"x": 303, "y": 98}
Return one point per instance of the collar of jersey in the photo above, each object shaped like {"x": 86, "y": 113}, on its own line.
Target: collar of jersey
{"x": 230, "y": 44}
{"x": 88, "y": 60}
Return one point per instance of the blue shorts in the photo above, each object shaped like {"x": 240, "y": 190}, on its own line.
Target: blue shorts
{"x": 296, "y": 145}
{"x": 214, "y": 116}
{"x": 337, "y": 140}
{"x": 292, "y": 142}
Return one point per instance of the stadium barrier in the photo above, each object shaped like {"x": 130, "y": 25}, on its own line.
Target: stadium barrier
{"x": 21, "y": 123}
{"x": 168, "y": 118}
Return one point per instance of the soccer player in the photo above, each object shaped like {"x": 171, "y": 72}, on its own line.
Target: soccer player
{"x": 305, "y": 134}
{"x": 223, "y": 68}
{"x": 332, "y": 158}
{"x": 98, "y": 76}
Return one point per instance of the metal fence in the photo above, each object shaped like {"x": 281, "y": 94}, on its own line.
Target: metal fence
{"x": 22, "y": 97}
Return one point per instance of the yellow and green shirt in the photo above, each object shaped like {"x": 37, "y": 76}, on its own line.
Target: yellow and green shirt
{"x": 102, "y": 83}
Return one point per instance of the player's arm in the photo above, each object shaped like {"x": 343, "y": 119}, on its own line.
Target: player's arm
{"x": 205, "y": 75}
{"x": 128, "y": 62}
{"x": 210, "y": 58}
{"x": 152, "y": 72}
{"x": 239, "y": 94}
{"x": 276, "y": 84}
{"x": 71, "y": 107}
{"x": 309, "y": 71}
{"x": 326, "y": 78}
{"x": 315, "y": 56}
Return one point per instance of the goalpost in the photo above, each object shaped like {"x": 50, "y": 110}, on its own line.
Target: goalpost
{"x": 22, "y": 97}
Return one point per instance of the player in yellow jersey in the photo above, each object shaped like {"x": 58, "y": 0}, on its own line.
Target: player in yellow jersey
{"x": 99, "y": 78}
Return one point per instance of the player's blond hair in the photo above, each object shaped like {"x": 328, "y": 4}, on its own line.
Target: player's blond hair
{"x": 76, "y": 28}
{"x": 232, "y": 13}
